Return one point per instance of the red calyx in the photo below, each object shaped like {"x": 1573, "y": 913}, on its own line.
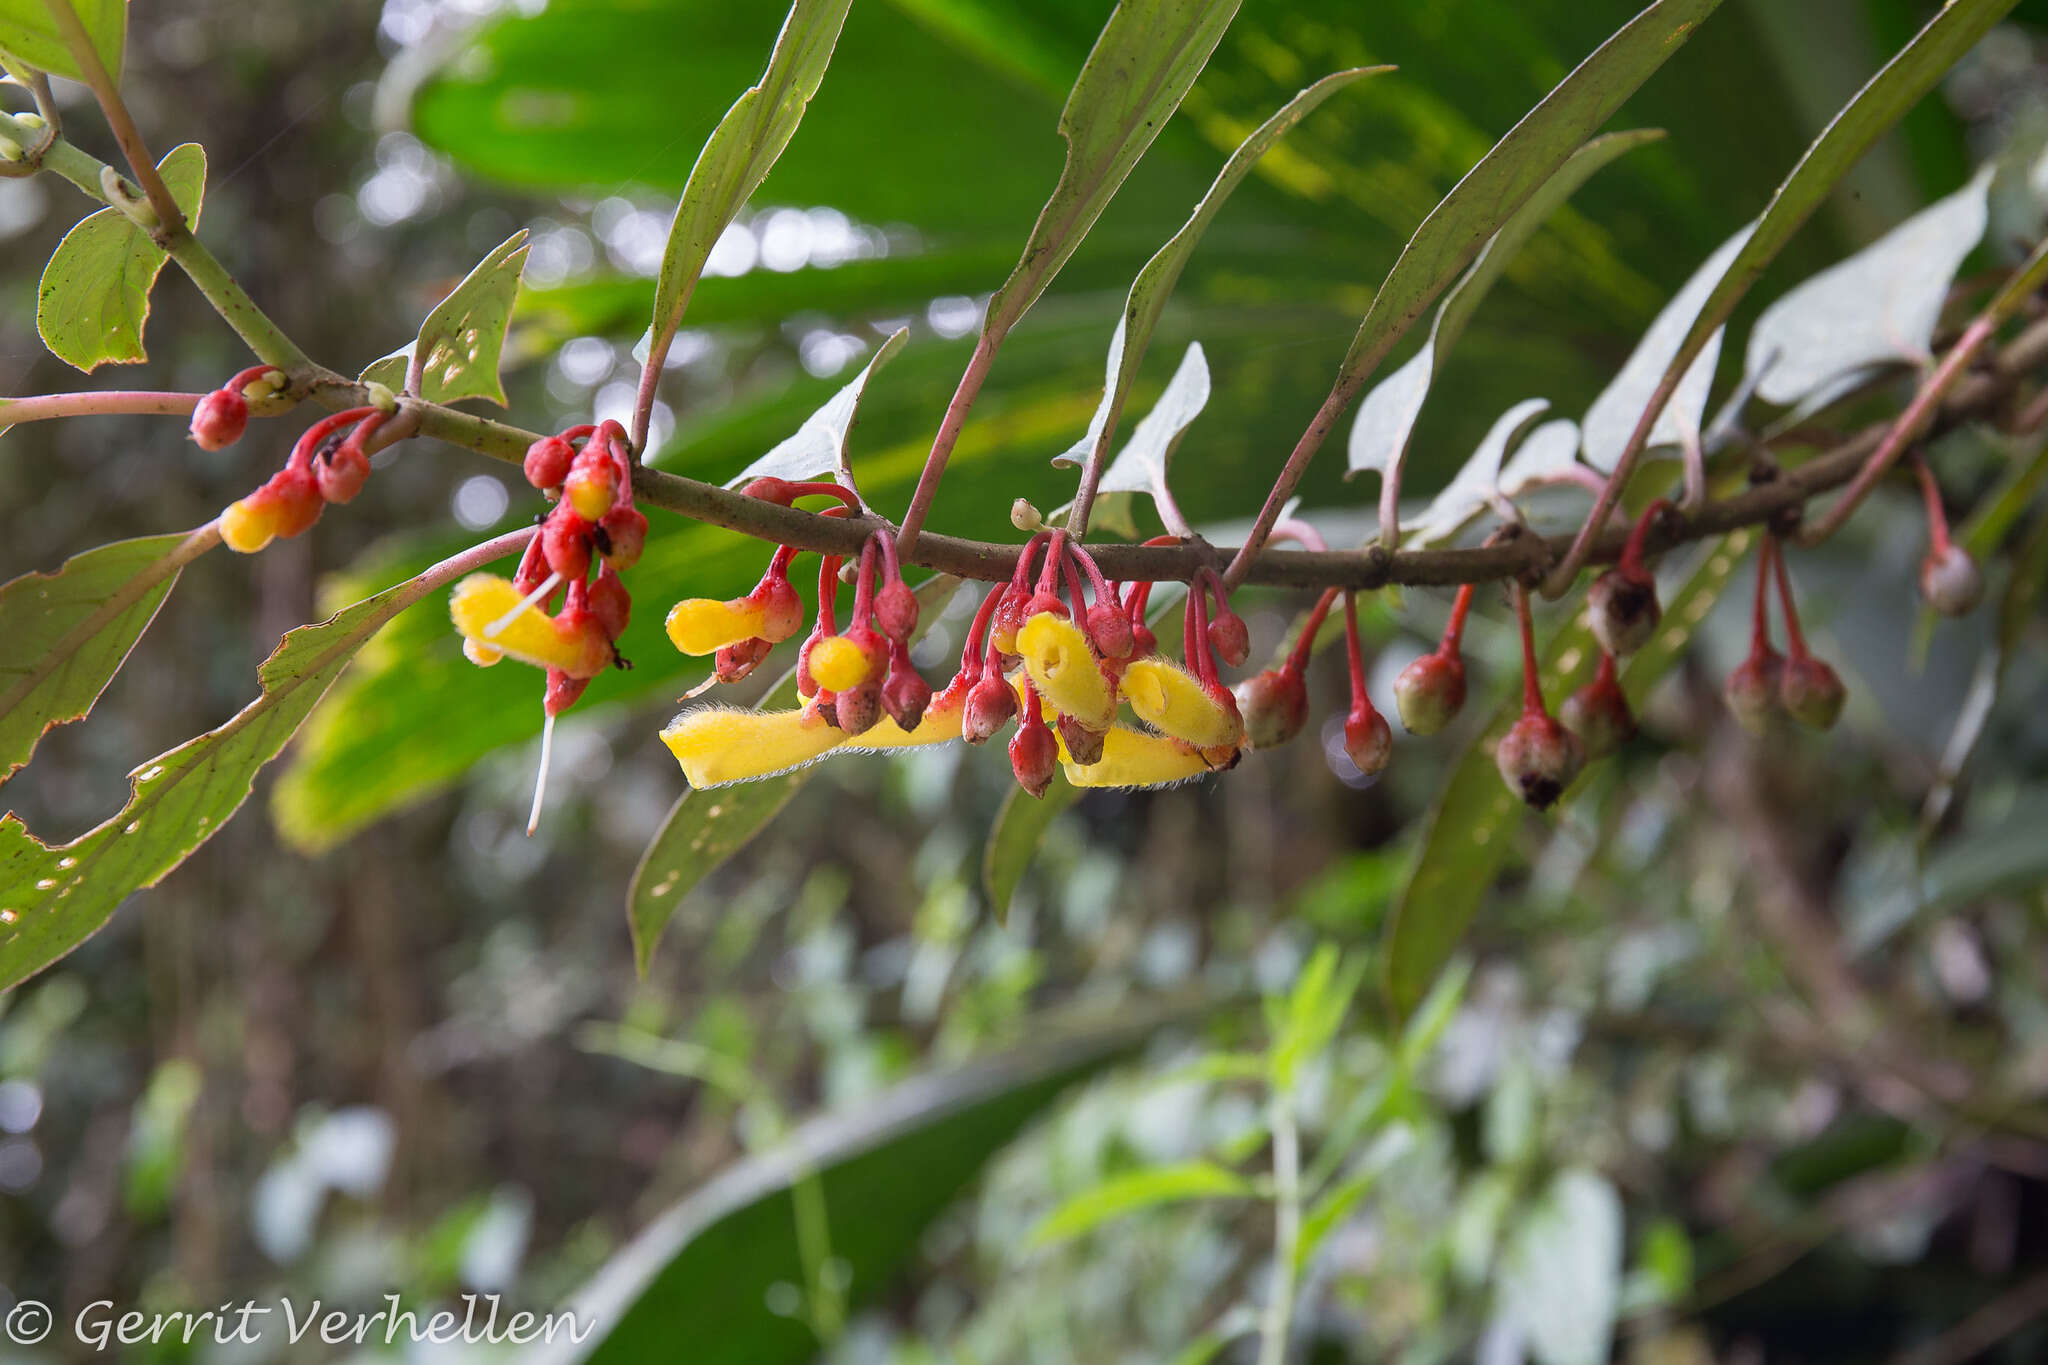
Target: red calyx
{"x": 896, "y": 609}
{"x": 1367, "y": 740}
{"x": 610, "y": 603}
{"x": 905, "y": 693}
{"x": 622, "y": 535}
{"x": 1537, "y": 758}
{"x": 1084, "y": 745}
{"x": 1599, "y": 714}
{"x": 1034, "y": 753}
{"x": 563, "y": 691}
{"x": 565, "y": 543}
{"x": 990, "y": 704}
{"x": 734, "y": 662}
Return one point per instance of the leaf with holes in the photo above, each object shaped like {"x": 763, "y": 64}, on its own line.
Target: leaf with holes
{"x": 1875, "y": 309}
{"x": 32, "y": 38}
{"x": 703, "y": 829}
{"x": 64, "y": 635}
{"x": 1155, "y": 282}
{"x": 1141, "y": 67}
{"x": 741, "y": 150}
{"x": 1386, "y": 419}
{"x": 465, "y": 334}
{"x": 819, "y": 447}
{"x": 1473, "y": 823}
{"x": 52, "y": 898}
{"x": 94, "y": 298}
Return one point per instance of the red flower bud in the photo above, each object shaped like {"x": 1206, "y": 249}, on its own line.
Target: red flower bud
{"x": 1623, "y": 609}
{"x": 785, "y": 610}
{"x": 297, "y": 496}
{"x": 220, "y": 419}
{"x": 610, "y": 603}
{"x": 1752, "y": 690}
{"x": 547, "y": 462}
{"x": 622, "y": 534}
{"x": 1034, "y": 755}
{"x": 1538, "y": 759}
{"x": 1368, "y": 740}
{"x": 565, "y": 541}
{"x": 1811, "y": 692}
{"x": 342, "y": 474}
{"x": 1109, "y": 627}
{"x": 1951, "y": 581}
{"x": 562, "y": 691}
{"x": 990, "y": 704}
{"x": 896, "y": 609}
{"x": 905, "y": 694}
{"x": 1430, "y": 692}
{"x": 734, "y": 662}
{"x": 1275, "y": 707}
{"x": 1229, "y": 637}
{"x": 858, "y": 708}
{"x": 1599, "y": 715}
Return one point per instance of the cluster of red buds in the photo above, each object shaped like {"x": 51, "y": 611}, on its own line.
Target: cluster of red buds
{"x": 554, "y": 612}
{"x": 329, "y": 463}
{"x": 1767, "y": 682}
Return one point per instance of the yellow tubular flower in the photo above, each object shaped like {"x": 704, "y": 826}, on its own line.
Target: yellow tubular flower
{"x": 482, "y": 600}
{"x": 1168, "y": 696}
{"x": 936, "y": 728}
{"x": 838, "y": 664}
{"x": 1132, "y": 758}
{"x": 245, "y": 529}
{"x": 1062, "y": 666}
{"x": 716, "y": 745}
{"x": 698, "y": 625}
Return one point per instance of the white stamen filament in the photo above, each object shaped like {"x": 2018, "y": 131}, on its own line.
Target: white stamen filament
{"x": 540, "y": 779}
{"x": 497, "y": 627}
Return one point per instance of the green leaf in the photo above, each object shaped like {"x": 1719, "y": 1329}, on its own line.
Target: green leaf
{"x": 53, "y": 897}
{"x": 1013, "y": 842}
{"x": 1155, "y": 282}
{"x": 702, "y": 1272}
{"x": 703, "y": 829}
{"x": 1386, "y": 419}
{"x": 1141, "y": 67}
{"x": 1560, "y": 1274}
{"x": 1304, "y": 1023}
{"x": 740, "y": 151}
{"x": 1330, "y": 1210}
{"x": 63, "y": 636}
{"x": 1474, "y": 821}
{"x": 819, "y": 447}
{"x": 94, "y": 298}
{"x": 32, "y": 38}
{"x": 1876, "y": 107}
{"x": 1531, "y": 152}
{"x": 1140, "y": 1189}
{"x": 465, "y": 333}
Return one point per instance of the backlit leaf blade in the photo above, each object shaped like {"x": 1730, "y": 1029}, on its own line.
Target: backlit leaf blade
{"x": 32, "y": 38}
{"x": 1472, "y": 826}
{"x": 94, "y": 297}
{"x": 1013, "y": 841}
{"x": 64, "y": 635}
{"x": 818, "y": 449}
{"x": 52, "y": 898}
{"x": 1141, "y": 67}
{"x": 1142, "y": 465}
{"x": 1478, "y": 479}
{"x": 742, "y": 149}
{"x": 1148, "y": 1187}
{"x": 464, "y": 336}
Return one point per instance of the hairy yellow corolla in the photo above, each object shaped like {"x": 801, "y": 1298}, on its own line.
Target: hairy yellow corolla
{"x": 1063, "y": 667}
{"x": 716, "y": 744}
{"x": 699, "y": 625}
{"x": 531, "y": 636}
{"x": 838, "y": 664}
{"x": 1133, "y": 758}
{"x": 1169, "y": 697}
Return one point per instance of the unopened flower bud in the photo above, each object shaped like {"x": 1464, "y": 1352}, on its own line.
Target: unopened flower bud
{"x": 1624, "y": 611}
{"x": 220, "y": 419}
{"x": 565, "y": 543}
{"x": 1229, "y": 637}
{"x": 1599, "y": 715}
{"x": 1811, "y": 692}
{"x": 1951, "y": 581}
{"x": 1752, "y": 690}
{"x": 1430, "y": 692}
{"x": 905, "y": 693}
{"x": 610, "y": 603}
{"x": 341, "y": 475}
{"x": 1538, "y": 759}
{"x": 1368, "y": 741}
{"x": 622, "y": 535}
{"x": 857, "y": 708}
{"x": 1034, "y": 755}
{"x": 1274, "y": 705}
{"x": 1109, "y": 626}
{"x": 1084, "y": 745}
{"x": 990, "y": 704}
{"x": 896, "y": 609}
{"x": 547, "y": 462}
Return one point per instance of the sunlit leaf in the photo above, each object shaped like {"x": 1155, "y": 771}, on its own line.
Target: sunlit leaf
{"x": 53, "y": 897}
{"x": 819, "y": 447}
{"x": 94, "y": 297}
{"x": 30, "y": 35}
{"x": 64, "y": 635}
{"x": 1148, "y": 1187}
{"x": 1614, "y": 414}
{"x": 463, "y": 336}
{"x": 1879, "y": 307}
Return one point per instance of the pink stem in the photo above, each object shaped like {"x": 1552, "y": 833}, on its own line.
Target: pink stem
{"x": 1532, "y": 691}
{"x": 106, "y": 403}
{"x": 942, "y": 445}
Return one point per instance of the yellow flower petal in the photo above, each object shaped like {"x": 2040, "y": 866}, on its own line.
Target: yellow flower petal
{"x": 1063, "y": 667}
{"x": 698, "y": 625}
{"x": 481, "y": 600}
{"x": 1133, "y": 758}
{"x": 936, "y": 728}
{"x": 716, "y": 744}
{"x": 1167, "y": 696}
{"x": 246, "y": 529}
{"x": 838, "y": 664}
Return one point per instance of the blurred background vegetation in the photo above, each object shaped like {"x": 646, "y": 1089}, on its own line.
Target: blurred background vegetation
{"x": 375, "y": 1038}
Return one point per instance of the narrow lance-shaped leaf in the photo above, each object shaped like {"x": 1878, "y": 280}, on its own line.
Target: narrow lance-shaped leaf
{"x": 94, "y": 298}
{"x": 1877, "y": 308}
{"x": 739, "y": 153}
{"x": 1614, "y": 413}
{"x": 1529, "y": 154}
{"x": 30, "y": 35}
{"x": 1386, "y": 418}
{"x": 63, "y": 636}
{"x": 54, "y": 897}
{"x": 818, "y": 449}
{"x": 1147, "y": 1187}
{"x": 1470, "y": 829}
{"x": 463, "y": 337}
{"x": 1155, "y": 282}
{"x": 1013, "y": 841}
{"x": 1876, "y": 107}
{"x": 1140, "y": 69}
{"x": 703, "y": 829}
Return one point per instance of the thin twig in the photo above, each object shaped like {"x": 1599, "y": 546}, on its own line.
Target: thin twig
{"x": 170, "y": 218}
